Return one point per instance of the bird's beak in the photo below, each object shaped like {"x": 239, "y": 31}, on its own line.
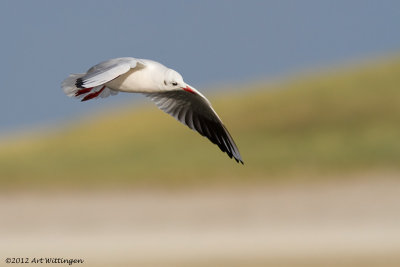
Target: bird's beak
{"x": 188, "y": 89}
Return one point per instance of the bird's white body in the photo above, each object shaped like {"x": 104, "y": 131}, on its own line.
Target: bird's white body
{"x": 134, "y": 81}
{"x": 163, "y": 85}
{"x": 140, "y": 80}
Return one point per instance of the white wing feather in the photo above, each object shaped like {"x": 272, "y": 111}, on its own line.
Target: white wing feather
{"x": 107, "y": 71}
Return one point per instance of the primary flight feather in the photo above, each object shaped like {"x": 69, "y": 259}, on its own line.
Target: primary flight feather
{"x": 163, "y": 85}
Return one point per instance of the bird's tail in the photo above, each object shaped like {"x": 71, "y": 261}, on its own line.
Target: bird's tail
{"x": 70, "y": 89}
{"x": 68, "y": 85}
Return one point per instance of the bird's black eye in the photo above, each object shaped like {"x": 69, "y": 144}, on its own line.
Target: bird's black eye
{"x": 165, "y": 82}
{"x": 174, "y": 83}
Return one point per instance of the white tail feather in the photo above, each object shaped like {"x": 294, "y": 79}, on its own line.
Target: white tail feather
{"x": 68, "y": 85}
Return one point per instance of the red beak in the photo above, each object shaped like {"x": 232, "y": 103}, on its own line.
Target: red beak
{"x": 188, "y": 89}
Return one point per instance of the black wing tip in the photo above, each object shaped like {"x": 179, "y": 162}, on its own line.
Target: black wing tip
{"x": 79, "y": 83}
{"x": 217, "y": 133}
{"x": 237, "y": 159}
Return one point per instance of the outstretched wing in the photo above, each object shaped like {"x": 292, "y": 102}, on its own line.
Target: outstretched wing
{"x": 107, "y": 71}
{"x": 195, "y": 111}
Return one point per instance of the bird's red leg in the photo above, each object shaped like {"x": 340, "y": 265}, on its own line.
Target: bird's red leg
{"x": 93, "y": 95}
{"x": 83, "y": 91}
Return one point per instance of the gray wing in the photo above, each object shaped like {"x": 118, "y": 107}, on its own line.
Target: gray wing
{"x": 195, "y": 111}
{"x": 107, "y": 71}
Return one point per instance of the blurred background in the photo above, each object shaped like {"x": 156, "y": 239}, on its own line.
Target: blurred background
{"x": 308, "y": 89}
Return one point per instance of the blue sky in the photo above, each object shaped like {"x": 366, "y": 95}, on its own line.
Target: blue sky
{"x": 208, "y": 42}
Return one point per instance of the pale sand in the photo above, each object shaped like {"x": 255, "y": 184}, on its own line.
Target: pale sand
{"x": 332, "y": 224}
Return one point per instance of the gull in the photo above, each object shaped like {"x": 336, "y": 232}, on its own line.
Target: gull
{"x": 162, "y": 85}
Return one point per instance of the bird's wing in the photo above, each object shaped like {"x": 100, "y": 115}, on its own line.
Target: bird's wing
{"x": 107, "y": 71}
{"x": 195, "y": 111}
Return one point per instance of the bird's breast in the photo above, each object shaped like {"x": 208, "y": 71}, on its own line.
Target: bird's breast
{"x": 134, "y": 81}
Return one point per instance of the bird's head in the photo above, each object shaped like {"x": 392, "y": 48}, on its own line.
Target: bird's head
{"x": 174, "y": 81}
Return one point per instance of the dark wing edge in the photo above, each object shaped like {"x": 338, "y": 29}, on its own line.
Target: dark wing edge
{"x": 194, "y": 111}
